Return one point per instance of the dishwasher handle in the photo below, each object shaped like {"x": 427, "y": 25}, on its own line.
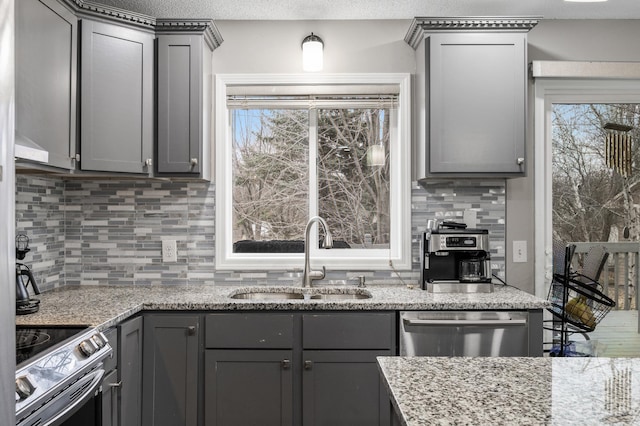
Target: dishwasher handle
{"x": 464, "y": 322}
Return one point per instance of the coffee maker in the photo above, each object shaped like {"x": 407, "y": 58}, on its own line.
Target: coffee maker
{"x": 455, "y": 259}
{"x": 24, "y": 303}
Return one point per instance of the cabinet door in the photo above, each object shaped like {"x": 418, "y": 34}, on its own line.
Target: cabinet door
{"x": 170, "y": 370}
{"x": 46, "y": 63}
{"x": 130, "y": 371}
{"x": 116, "y": 125}
{"x": 477, "y": 96}
{"x": 180, "y": 76}
{"x": 248, "y": 387}
{"x": 110, "y": 399}
{"x": 343, "y": 388}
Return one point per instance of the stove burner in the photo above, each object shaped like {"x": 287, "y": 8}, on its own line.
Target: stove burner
{"x": 26, "y": 339}
{"x": 27, "y": 307}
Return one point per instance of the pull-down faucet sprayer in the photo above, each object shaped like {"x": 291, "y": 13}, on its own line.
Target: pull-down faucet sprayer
{"x": 310, "y": 274}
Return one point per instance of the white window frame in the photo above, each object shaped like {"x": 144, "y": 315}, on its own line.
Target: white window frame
{"x": 564, "y": 82}
{"x": 400, "y": 175}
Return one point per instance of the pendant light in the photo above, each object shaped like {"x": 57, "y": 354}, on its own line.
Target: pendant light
{"x": 312, "y": 47}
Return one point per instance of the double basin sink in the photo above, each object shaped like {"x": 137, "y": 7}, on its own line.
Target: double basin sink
{"x": 279, "y": 293}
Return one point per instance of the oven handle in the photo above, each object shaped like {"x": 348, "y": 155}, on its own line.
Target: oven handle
{"x": 460, "y": 322}
{"x": 90, "y": 383}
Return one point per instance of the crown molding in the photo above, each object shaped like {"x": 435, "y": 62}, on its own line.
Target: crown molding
{"x": 205, "y": 27}
{"x": 421, "y": 25}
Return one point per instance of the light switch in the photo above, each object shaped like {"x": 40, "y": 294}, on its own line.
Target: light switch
{"x": 519, "y": 251}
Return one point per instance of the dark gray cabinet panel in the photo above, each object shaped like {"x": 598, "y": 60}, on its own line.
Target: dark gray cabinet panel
{"x": 116, "y": 124}
{"x": 130, "y": 371}
{"x": 181, "y": 111}
{"x": 348, "y": 330}
{"x": 249, "y": 331}
{"x": 110, "y": 406}
{"x": 344, "y": 388}
{"x": 249, "y": 387}
{"x": 46, "y": 64}
{"x": 309, "y": 368}
{"x": 477, "y": 86}
{"x": 170, "y": 370}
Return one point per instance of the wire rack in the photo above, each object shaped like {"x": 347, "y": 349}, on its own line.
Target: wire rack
{"x": 577, "y": 303}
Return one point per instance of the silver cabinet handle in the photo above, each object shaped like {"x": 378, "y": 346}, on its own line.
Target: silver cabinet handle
{"x": 194, "y": 162}
{"x": 286, "y": 364}
{"x": 116, "y": 384}
{"x": 191, "y": 330}
{"x": 520, "y": 161}
{"x": 308, "y": 364}
{"x": 465, "y": 322}
{"x": 148, "y": 162}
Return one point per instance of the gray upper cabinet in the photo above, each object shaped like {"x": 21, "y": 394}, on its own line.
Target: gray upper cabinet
{"x": 472, "y": 83}
{"x": 116, "y": 115}
{"x": 46, "y": 63}
{"x": 184, "y": 96}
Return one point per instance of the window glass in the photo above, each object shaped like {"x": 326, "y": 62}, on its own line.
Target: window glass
{"x": 353, "y": 175}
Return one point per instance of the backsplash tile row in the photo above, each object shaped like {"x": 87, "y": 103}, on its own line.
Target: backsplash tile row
{"x": 93, "y": 232}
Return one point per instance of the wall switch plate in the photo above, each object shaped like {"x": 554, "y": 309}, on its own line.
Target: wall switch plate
{"x": 169, "y": 251}
{"x": 519, "y": 251}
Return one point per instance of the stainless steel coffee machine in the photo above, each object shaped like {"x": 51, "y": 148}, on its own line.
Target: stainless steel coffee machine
{"x": 455, "y": 259}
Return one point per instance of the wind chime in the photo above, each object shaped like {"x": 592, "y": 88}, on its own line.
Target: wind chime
{"x": 618, "y": 145}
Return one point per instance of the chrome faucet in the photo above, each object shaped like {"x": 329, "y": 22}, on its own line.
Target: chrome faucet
{"x": 310, "y": 274}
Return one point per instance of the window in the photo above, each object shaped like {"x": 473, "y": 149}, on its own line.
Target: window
{"x": 577, "y": 83}
{"x": 333, "y": 146}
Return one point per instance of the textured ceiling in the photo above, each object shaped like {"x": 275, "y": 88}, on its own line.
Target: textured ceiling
{"x": 376, "y": 9}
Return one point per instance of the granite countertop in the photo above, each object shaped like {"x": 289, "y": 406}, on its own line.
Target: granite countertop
{"x": 510, "y": 391}
{"x": 105, "y": 306}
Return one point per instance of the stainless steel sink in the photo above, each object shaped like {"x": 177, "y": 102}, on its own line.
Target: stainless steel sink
{"x": 349, "y": 294}
{"x": 273, "y": 294}
{"x": 267, "y": 294}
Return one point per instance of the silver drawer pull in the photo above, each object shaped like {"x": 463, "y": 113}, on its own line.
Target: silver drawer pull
{"x": 286, "y": 364}
{"x": 116, "y": 384}
{"x": 191, "y": 330}
{"x": 308, "y": 364}
{"x": 466, "y": 322}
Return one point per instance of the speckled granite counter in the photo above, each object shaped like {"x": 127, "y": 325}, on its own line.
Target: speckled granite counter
{"x": 513, "y": 391}
{"x": 104, "y": 306}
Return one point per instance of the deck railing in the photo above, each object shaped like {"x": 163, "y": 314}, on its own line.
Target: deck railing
{"x": 620, "y": 277}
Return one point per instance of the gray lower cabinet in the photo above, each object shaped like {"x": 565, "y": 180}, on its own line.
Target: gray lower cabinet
{"x": 295, "y": 368}
{"x": 249, "y": 387}
{"x": 110, "y": 382}
{"x": 343, "y": 388}
{"x": 116, "y": 99}
{"x": 129, "y": 389}
{"x": 46, "y": 63}
{"x": 170, "y": 370}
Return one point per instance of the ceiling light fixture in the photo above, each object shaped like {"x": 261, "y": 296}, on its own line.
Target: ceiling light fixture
{"x": 312, "y": 47}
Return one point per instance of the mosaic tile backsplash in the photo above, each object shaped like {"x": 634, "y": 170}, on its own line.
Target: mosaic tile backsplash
{"x": 110, "y": 231}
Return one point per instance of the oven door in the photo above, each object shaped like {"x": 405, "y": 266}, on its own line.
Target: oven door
{"x": 464, "y": 333}
{"x": 74, "y": 405}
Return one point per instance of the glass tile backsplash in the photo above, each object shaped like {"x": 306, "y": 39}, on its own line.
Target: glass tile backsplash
{"x": 110, "y": 231}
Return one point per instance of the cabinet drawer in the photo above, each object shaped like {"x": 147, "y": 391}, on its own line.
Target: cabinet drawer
{"x": 255, "y": 330}
{"x": 348, "y": 331}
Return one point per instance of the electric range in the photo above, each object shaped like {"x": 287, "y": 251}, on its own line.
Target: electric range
{"x": 57, "y": 370}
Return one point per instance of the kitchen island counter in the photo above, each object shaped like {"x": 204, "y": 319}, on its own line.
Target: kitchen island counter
{"x": 510, "y": 391}
{"x": 105, "y": 306}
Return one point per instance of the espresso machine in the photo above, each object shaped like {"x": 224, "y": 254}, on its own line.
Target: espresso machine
{"x": 455, "y": 259}
{"x": 25, "y": 304}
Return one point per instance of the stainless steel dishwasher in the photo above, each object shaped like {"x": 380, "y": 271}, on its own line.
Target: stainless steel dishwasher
{"x": 464, "y": 333}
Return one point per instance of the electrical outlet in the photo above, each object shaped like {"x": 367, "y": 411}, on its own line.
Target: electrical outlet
{"x": 519, "y": 251}
{"x": 169, "y": 251}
